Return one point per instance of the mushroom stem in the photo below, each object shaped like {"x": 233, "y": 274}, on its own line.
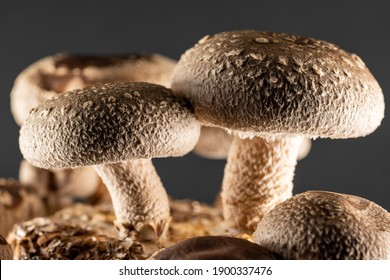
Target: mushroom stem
{"x": 140, "y": 201}
{"x": 258, "y": 176}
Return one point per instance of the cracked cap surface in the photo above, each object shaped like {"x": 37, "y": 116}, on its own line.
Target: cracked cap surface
{"x": 270, "y": 83}
{"x": 109, "y": 123}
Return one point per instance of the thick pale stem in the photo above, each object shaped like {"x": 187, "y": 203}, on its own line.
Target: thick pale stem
{"x": 258, "y": 176}
{"x": 140, "y": 201}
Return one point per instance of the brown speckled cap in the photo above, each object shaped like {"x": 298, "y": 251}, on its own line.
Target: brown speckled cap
{"x": 326, "y": 225}
{"x": 264, "y": 83}
{"x": 106, "y": 124}
{"x": 55, "y": 74}
{"x": 215, "y": 248}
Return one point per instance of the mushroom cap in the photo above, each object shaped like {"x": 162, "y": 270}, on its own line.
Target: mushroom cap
{"x": 59, "y": 188}
{"x": 304, "y": 149}
{"x": 326, "y": 225}
{"x": 215, "y": 248}
{"x": 5, "y": 250}
{"x": 107, "y": 124}
{"x": 63, "y": 72}
{"x": 214, "y": 143}
{"x": 265, "y": 83}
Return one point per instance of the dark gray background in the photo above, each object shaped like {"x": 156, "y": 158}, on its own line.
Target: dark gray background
{"x": 33, "y": 29}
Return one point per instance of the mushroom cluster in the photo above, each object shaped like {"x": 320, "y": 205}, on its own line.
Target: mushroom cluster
{"x": 254, "y": 98}
{"x": 54, "y": 75}
{"x": 270, "y": 90}
{"x": 117, "y": 128}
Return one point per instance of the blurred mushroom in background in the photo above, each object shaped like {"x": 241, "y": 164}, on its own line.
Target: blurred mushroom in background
{"x": 61, "y": 188}
{"x": 53, "y": 75}
{"x": 5, "y": 250}
{"x": 17, "y": 204}
{"x": 214, "y": 143}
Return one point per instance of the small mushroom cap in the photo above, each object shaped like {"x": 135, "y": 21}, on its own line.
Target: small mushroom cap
{"x": 214, "y": 143}
{"x": 5, "y": 250}
{"x": 63, "y": 72}
{"x": 326, "y": 225}
{"x": 215, "y": 248}
{"x": 264, "y": 83}
{"x": 304, "y": 149}
{"x": 59, "y": 188}
{"x": 107, "y": 124}
{"x": 83, "y": 183}
{"x": 37, "y": 178}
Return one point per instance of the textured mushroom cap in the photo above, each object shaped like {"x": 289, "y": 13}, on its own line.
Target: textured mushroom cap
{"x": 5, "y": 249}
{"x": 215, "y": 248}
{"x": 268, "y": 83}
{"x": 63, "y": 72}
{"x": 106, "y": 124}
{"x": 325, "y": 225}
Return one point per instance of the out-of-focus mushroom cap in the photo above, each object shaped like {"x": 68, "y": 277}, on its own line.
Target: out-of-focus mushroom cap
{"x": 264, "y": 83}
{"x": 215, "y": 248}
{"x": 17, "y": 203}
{"x": 214, "y": 143}
{"x": 106, "y": 124}
{"x": 63, "y": 72}
{"x": 326, "y": 225}
{"x": 304, "y": 149}
{"x": 5, "y": 250}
